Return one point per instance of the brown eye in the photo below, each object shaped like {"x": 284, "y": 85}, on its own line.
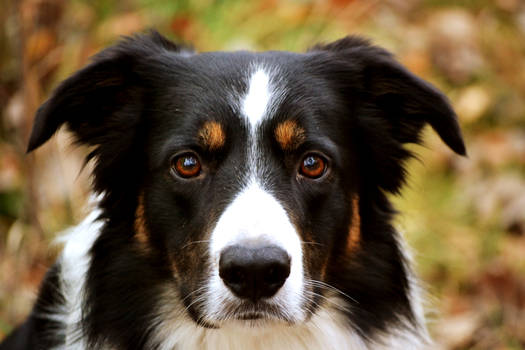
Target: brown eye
{"x": 313, "y": 166}
{"x": 186, "y": 165}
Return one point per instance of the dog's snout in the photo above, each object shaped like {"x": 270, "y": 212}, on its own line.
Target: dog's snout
{"x": 254, "y": 273}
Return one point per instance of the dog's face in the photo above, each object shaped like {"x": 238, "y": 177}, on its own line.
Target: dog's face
{"x": 250, "y": 185}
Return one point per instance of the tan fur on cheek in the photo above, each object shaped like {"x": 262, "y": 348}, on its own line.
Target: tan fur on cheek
{"x": 141, "y": 232}
{"x": 212, "y": 135}
{"x": 289, "y": 135}
{"x": 354, "y": 234}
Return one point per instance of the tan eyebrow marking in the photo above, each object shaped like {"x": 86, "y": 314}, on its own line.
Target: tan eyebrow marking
{"x": 354, "y": 234}
{"x": 141, "y": 233}
{"x": 289, "y": 135}
{"x": 212, "y": 135}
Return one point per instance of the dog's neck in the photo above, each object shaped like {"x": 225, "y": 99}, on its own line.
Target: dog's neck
{"x": 327, "y": 329}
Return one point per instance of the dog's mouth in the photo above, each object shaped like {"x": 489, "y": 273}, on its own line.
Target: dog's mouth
{"x": 249, "y": 314}
{"x": 248, "y": 311}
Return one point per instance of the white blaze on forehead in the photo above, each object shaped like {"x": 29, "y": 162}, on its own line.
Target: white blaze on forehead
{"x": 257, "y": 99}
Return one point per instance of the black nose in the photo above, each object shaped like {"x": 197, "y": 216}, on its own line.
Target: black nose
{"x": 254, "y": 273}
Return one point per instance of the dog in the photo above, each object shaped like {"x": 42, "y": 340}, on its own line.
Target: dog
{"x": 242, "y": 200}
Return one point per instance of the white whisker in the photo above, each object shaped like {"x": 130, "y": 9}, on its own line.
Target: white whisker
{"x": 327, "y": 286}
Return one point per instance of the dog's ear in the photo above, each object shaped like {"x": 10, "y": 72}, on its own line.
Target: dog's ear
{"x": 102, "y": 102}
{"x": 394, "y": 105}
{"x": 103, "y": 105}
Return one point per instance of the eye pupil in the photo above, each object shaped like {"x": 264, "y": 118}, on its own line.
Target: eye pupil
{"x": 187, "y": 165}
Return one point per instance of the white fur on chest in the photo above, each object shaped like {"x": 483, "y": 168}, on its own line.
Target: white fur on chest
{"x": 326, "y": 330}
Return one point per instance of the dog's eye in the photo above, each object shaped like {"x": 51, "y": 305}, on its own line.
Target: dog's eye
{"x": 186, "y": 165}
{"x": 313, "y": 166}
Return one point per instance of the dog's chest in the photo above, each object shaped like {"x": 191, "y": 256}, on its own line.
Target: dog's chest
{"x": 326, "y": 330}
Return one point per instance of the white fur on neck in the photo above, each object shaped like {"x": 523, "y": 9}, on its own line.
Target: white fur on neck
{"x": 74, "y": 263}
{"x": 327, "y": 329}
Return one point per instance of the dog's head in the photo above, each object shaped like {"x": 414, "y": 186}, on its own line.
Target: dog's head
{"x": 251, "y": 185}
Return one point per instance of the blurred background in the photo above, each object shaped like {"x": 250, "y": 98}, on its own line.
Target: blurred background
{"x": 464, "y": 217}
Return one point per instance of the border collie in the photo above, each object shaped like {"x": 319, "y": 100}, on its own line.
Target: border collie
{"x": 242, "y": 200}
